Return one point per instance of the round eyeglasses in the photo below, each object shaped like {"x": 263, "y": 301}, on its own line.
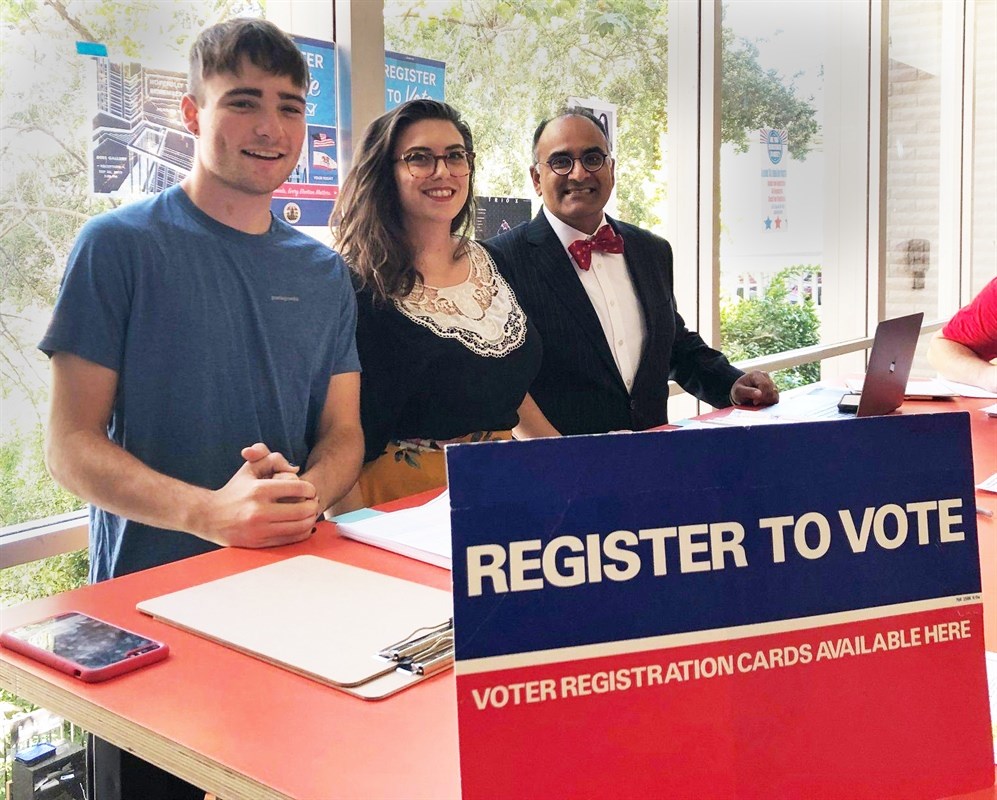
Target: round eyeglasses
{"x": 591, "y": 162}
{"x": 423, "y": 165}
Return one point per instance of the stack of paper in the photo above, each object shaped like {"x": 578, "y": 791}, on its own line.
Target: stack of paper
{"x": 916, "y": 389}
{"x": 738, "y": 417}
{"x": 968, "y": 390}
{"x": 989, "y": 485}
{"x": 422, "y": 532}
{"x": 930, "y": 388}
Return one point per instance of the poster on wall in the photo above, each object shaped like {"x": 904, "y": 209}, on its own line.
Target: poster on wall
{"x": 409, "y": 77}
{"x": 774, "y": 171}
{"x": 139, "y": 145}
{"x": 495, "y": 215}
{"x": 308, "y": 196}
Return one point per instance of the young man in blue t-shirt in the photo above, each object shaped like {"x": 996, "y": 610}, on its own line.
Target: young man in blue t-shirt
{"x": 202, "y": 349}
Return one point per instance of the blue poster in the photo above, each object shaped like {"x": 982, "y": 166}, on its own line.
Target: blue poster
{"x": 308, "y": 196}
{"x": 409, "y": 77}
{"x": 321, "y": 101}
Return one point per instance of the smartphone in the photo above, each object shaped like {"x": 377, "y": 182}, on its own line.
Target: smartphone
{"x": 849, "y": 404}
{"x": 36, "y": 753}
{"x": 83, "y": 646}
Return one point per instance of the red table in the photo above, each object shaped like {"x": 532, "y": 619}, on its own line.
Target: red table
{"x": 237, "y": 726}
{"x": 244, "y": 729}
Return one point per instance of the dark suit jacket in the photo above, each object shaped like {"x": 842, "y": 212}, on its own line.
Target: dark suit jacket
{"x": 579, "y": 387}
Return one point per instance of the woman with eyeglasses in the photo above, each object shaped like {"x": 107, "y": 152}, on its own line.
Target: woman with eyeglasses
{"x": 446, "y": 350}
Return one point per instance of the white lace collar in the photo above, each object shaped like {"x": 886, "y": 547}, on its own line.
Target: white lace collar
{"x": 481, "y": 313}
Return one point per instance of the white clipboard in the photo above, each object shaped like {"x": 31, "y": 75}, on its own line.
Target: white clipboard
{"x": 319, "y": 618}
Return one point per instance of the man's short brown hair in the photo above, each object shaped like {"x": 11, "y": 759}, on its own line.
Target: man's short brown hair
{"x": 222, "y": 47}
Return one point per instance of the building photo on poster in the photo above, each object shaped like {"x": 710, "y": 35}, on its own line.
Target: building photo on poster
{"x": 139, "y": 144}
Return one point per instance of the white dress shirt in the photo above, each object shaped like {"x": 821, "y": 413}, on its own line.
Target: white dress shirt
{"x": 612, "y": 294}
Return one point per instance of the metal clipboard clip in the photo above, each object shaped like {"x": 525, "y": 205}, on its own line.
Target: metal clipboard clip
{"x": 423, "y": 652}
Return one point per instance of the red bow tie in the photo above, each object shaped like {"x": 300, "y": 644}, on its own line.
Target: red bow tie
{"x": 605, "y": 241}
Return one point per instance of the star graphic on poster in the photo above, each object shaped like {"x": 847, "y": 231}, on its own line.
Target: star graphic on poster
{"x": 768, "y": 224}
{"x": 778, "y": 223}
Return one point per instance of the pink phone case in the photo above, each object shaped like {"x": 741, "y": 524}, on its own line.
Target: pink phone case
{"x": 148, "y": 651}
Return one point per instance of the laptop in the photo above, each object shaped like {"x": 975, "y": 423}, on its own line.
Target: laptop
{"x": 889, "y": 365}
{"x": 884, "y": 383}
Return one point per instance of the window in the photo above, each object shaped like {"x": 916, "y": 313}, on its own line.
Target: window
{"x": 509, "y": 65}
{"x": 774, "y": 220}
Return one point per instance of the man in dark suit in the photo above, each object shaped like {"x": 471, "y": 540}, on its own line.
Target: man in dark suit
{"x": 600, "y": 293}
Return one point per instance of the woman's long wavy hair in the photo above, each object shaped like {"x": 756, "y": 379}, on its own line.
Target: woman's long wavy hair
{"x": 367, "y": 225}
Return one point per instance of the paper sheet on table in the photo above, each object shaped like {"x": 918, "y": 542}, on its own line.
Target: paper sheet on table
{"x": 916, "y": 387}
{"x": 422, "y": 532}
{"x": 803, "y": 404}
{"x": 809, "y": 404}
{"x": 740, "y": 417}
{"x": 932, "y": 387}
{"x": 967, "y": 390}
{"x": 989, "y": 484}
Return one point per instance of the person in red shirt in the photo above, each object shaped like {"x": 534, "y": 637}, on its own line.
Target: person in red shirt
{"x": 965, "y": 350}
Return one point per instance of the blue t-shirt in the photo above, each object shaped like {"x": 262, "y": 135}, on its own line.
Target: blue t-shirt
{"x": 220, "y": 339}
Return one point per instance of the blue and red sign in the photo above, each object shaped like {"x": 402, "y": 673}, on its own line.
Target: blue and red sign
{"x": 778, "y": 611}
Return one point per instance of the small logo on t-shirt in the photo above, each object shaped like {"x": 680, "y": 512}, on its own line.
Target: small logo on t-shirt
{"x": 283, "y": 298}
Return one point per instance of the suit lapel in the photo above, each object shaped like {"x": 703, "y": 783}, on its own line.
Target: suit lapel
{"x": 556, "y": 268}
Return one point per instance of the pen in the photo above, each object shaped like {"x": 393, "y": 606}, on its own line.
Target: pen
{"x": 984, "y": 512}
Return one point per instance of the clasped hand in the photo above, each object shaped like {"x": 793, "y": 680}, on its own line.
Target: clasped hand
{"x": 264, "y": 504}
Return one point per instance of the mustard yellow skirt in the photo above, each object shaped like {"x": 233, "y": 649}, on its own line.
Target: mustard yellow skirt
{"x": 411, "y": 466}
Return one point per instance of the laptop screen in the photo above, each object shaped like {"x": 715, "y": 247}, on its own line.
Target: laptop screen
{"x": 889, "y": 365}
